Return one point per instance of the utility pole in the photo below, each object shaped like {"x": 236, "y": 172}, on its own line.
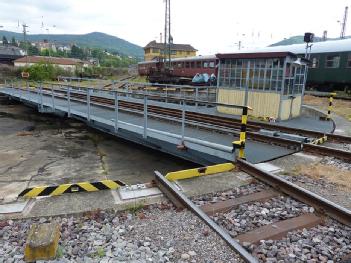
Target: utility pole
{"x": 25, "y": 40}
{"x": 343, "y": 24}
{"x": 168, "y": 37}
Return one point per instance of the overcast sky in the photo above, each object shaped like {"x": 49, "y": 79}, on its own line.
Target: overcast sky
{"x": 210, "y": 26}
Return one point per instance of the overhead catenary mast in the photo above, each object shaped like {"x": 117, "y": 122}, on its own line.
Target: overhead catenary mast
{"x": 343, "y": 23}
{"x": 25, "y": 40}
{"x": 168, "y": 38}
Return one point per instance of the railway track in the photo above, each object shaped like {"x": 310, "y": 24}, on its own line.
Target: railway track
{"x": 263, "y": 213}
{"x": 223, "y": 124}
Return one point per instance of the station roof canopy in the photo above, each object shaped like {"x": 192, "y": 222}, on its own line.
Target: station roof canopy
{"x": 183, "y": 47}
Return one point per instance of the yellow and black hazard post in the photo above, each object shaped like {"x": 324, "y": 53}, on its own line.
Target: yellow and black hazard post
{"x": 241, "y": 143}
{"x": 330, "y": 106}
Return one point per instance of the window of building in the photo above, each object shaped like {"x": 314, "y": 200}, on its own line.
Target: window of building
{"x": 348, "y": 64}
{"x": 173, "y": 52}
{"x": 332, "y": 61}
{"x": 147, "y": 51}
{"x": 188, "y": 52}
{"x": 315, "y": 62}
{"x": 212, "y": 64}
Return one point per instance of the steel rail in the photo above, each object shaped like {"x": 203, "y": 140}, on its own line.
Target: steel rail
{"x": 218, "y": 122}
{"x": 323, "y": 150}
{"x": 321, "y": 204}
{"x": 180, "y": 200}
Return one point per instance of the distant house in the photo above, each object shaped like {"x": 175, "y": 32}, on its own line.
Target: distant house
{"x": 65, "y": 63}
{"x": 45, "y": 45}
{"x": 8, "y": 54}
{"x": 154, "y": 50}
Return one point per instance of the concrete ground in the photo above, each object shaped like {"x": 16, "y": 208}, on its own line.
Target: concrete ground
{"x": 36, "y": 149}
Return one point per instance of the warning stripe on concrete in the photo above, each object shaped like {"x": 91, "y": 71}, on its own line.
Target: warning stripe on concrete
{"x": 70, "y": 188}
{"x": 207, "y": 170}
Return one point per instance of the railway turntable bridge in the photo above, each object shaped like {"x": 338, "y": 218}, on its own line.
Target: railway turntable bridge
{"x": 134, "y": 116}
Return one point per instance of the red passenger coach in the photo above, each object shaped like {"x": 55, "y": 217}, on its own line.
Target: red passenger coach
{"x": 184, "y": 67}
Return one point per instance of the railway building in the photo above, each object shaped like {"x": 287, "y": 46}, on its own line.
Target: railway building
{"x": 155, "y": 50}
{"x": 272, "y": 83}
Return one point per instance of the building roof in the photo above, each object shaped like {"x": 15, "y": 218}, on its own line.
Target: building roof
{"x": 258, "y": 55}
{"x": 51, "y": 60}
{"x": 341, "y": 45}
{"x": 183, "y": 47}
{"x": 11, "y": 52}
{"x": 193, "y": 58}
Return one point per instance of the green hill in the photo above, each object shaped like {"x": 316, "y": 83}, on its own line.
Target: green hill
{"x": 94, "y": 39}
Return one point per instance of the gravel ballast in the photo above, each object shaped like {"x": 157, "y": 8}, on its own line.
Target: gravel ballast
{"x": 250, "y": 216}
{"x": 324, "y": 243}
{"x": 229, "y": 194}
{"x": 155, "y": 234}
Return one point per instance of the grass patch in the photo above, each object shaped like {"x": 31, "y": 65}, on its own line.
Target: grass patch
{"x": 328, "y": 172}
{"x": 340, "y": 107}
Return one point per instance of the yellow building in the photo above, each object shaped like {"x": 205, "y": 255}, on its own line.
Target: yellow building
{"x": 154, "y": 50}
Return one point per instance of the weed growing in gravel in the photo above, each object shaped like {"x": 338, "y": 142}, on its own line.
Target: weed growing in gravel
{"x": 134, "y": 208}
{"x": 100, "y": 252}
{"x": 59, "y": 252}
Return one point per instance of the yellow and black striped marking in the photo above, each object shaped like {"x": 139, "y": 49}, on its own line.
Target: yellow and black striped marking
{"x": 190, "y": 173}
{"x": 241, "y": 143}
{"x": 320, "y": 140}
{"x": 330, "y": 106}
{"x": 70, "y": 188}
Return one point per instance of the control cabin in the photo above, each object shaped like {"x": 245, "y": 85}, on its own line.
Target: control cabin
{"x": 271, "y": 83}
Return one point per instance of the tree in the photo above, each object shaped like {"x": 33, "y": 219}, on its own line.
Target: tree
{"x": 13, "y": 42}
{"x": 4, "y": 41}
{"x": 77, "y": 52}
{"x": 33, "y": 50}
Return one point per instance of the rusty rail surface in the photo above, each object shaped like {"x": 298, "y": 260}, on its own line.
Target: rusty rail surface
{"x": 180, "y": 200}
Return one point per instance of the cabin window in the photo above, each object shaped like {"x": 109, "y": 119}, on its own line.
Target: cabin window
{"x": 212, "y": 64}
{"x": 192, "y": 65}
{"x": 315, "y": 63}
{"x": 198, "y": 64}
{"x": 187, "y": 64}
{"x": 180, "y": 65}
{"x": 332, "y": 61}
{"x": 349, "y": 61}
{"x": 205, "y": 64}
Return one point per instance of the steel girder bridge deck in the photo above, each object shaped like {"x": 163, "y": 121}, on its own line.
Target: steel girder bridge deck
{"x": 170, "y": 135}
